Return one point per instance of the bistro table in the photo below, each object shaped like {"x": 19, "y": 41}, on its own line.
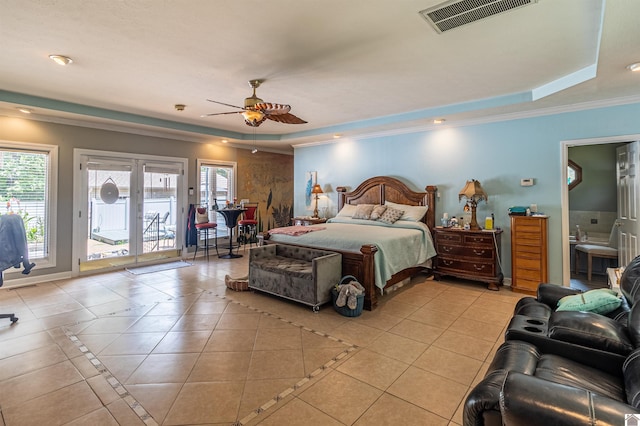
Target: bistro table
{"x": 231, "y": 219}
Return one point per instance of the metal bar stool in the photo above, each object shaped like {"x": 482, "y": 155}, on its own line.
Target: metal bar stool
{"x": 248, "y": 225}
{"x": 202, "y": 228}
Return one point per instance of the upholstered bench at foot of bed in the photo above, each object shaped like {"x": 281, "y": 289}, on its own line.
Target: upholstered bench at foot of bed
{"x": 302, "y": 274}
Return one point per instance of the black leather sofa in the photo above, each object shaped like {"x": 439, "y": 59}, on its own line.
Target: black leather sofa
{"x": 563, "y": 368}
{"x": 602, "y": 341}
{"x": 526, "y": 387}
{"x": 548, "y": 296}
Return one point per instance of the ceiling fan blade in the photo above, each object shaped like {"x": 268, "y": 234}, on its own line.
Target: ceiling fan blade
{"x": 272, "y": 109}
{"x": 229, "y": 105}
{"x": 285, "y": 118}
{"x": 221, "y": 113}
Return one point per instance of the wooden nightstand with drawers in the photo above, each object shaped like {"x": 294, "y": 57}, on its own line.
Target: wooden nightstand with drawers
{"x": 471, "y": 255}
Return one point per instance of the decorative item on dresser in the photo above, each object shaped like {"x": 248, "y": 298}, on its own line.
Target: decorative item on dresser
{"x": 307, "y": 220}
{"x": 471, "y": 255}
{"x": 528, "y": 253}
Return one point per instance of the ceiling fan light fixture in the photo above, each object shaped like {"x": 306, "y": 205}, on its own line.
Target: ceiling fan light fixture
{"x": 252, "y": 115}
{"x": 61, "y": 59}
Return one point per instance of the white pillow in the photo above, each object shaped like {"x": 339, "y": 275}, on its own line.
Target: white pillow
{"x": 363, "y": 211}
{"x": 411, "y": 213}
{"x": 377, "y": 212}
{"x": 347, "y": 211}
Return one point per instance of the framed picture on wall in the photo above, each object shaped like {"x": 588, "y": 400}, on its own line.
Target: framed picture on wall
{"x": 310, "y": 180}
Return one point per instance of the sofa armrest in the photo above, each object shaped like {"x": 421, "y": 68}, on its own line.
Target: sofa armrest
{"x": 524, "y": 398}
{"x": 590, "y": 330}
{"x": 549, "y": 294}
{"x": 481, "y": 406}
{"x": 327, "y": 271}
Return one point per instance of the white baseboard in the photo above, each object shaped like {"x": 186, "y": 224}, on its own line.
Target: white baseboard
{"x": 36, "y": 279}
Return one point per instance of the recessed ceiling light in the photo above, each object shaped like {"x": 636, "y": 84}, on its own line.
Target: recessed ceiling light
{"x": 24, "y": 110}
{"x": 337, "y": 136}
{"x": 61, "y": 59}
{"x": 224, "y": 141}
{"x": 634, "y": 67}
{"x": 439, "y": 121}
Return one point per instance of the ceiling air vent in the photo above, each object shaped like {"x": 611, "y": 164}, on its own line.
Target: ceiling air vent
{"x": 453, "y": 14}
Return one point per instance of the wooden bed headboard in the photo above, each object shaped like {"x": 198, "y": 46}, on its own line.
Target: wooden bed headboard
{"x": 377, "y": 190}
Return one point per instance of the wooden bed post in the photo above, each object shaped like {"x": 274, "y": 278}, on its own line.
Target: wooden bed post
{"x": 341, "y": 190}
{"x": 369, "y": 276}
{"x": 431, "y": 202}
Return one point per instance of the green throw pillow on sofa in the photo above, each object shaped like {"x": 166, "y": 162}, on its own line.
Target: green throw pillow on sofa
{"x": 599, "y": 301}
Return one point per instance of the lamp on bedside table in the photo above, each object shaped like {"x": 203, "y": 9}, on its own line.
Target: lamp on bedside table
{"x": 316, "y": 190}
{"x": 473, "y": 192}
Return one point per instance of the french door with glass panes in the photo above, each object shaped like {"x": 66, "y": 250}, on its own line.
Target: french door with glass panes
{"x": 129, "y": 209}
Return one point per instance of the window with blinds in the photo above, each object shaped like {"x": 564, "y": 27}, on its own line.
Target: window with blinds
{"x": 216, "y": 187}
{"x": 25, "y": 186}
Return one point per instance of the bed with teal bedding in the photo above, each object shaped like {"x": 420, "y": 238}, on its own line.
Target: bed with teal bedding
{"x": 378, "y": 254}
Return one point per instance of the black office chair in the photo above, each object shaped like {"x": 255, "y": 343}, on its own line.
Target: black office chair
{"x": 12, "y": 317}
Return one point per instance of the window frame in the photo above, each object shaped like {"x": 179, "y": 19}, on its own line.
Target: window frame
{"x": 222, "y": 231}
{"x": 578, "y": 174}
{"x": 51, "y": 198}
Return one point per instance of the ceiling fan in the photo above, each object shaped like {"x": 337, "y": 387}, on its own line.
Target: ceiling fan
{"x": 256, "y": 111}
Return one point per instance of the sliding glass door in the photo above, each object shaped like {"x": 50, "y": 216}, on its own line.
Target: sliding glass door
{"x": 129, "y": 210}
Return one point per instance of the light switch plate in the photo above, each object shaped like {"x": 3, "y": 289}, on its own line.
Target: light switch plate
{"x": 526, "y": 182}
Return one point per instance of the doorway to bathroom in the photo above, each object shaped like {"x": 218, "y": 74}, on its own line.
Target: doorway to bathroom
{"x": 599, "y": 212}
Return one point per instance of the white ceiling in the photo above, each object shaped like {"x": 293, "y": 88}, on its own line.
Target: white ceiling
{"x": 348, "y": 67}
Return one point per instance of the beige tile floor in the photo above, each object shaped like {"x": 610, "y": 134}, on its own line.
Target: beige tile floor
{"x": 178, "y": 348}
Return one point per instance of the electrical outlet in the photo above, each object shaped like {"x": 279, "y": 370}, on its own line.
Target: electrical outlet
{"x": 594, "y": 221}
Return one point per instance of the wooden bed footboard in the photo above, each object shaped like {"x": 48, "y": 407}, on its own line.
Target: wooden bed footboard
{"x": 362, "y": 267}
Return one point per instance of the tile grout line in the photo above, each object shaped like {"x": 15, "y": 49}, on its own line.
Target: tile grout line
{"x": 115, "y": 384}
{"x": 148, "y": 419}
{"x": 282, "y": 395}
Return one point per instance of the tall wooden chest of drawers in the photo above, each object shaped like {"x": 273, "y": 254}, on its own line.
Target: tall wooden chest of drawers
{"x": 529, "y": 255}
{"x": 472, "y": 255}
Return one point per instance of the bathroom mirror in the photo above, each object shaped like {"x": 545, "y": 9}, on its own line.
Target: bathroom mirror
{"x": 574, "y": 174}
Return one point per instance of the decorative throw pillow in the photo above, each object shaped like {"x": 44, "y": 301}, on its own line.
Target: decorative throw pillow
{"x": 411, "y": 213}
{"x": 377, "y": 212}
{"x": 347, "y": 210}
{"x": 391, "y": 215}
{"x": 363, "y": 211}
{"x": 600, "y": 301}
